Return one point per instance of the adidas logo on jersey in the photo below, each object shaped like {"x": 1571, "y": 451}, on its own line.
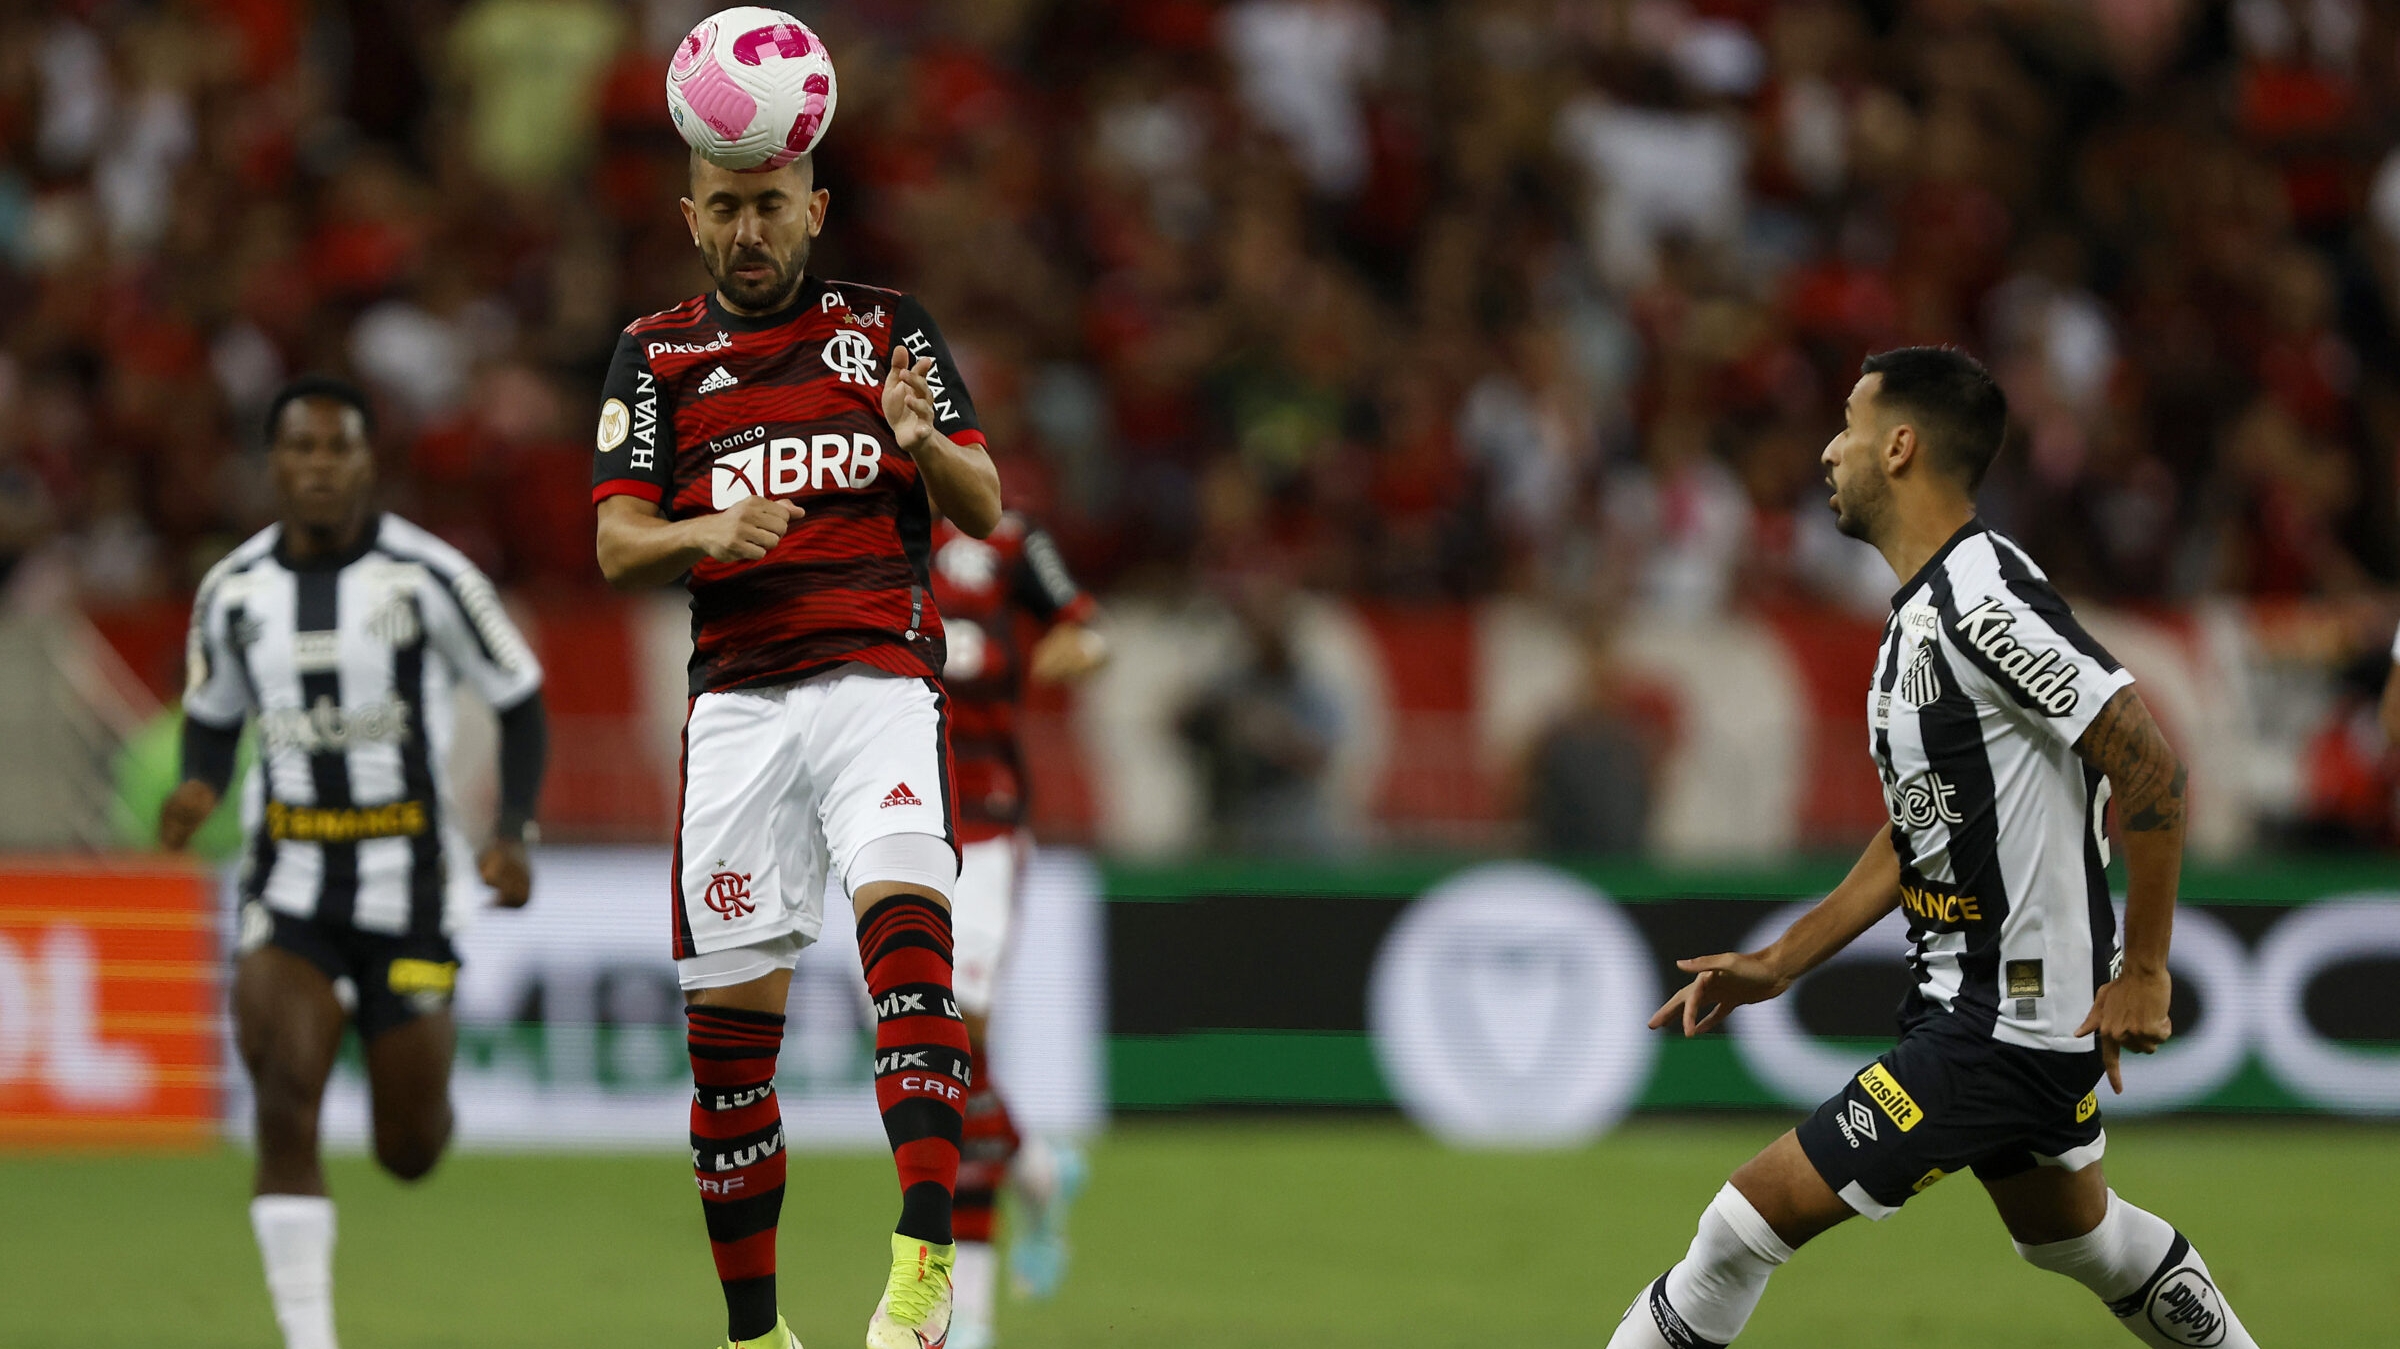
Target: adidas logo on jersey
{"x": 901, "y": 796}
{"x": 719, "y": 378}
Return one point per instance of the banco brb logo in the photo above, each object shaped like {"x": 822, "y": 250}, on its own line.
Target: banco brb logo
{"x": 1507, "y": 1008}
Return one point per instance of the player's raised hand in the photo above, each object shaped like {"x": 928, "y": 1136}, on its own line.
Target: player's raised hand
{"x": 2130, "y": 1012}
{"x": 746, "y": 530}
{"x": 1723, "y": 983}
{"x": 505, "y": 867}
{"x": 187, "y": 808}
{"x": 908, "y": 399}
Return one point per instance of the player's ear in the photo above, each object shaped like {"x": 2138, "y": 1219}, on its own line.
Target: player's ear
{"x": 1901, "y": 448}
{"x": 817, "y": 202}
{"x": 691, "y": 219}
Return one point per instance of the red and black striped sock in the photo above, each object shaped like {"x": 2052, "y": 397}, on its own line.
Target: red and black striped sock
{"x": 921, "y": 1056}
{"x": 737, "y": 1155}
{"x": 985, "y": 1149}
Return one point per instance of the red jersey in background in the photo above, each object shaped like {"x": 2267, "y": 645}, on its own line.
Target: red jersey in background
{"x": 996, "y": 596}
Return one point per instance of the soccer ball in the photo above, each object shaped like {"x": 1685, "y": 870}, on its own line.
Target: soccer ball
{"x": 751, "y": 89}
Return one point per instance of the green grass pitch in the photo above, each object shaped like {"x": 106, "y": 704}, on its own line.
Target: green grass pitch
{"x": 1213, "y": 1234}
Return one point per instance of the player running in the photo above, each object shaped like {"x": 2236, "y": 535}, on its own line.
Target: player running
{"x": 2000, "y": 728}
{"x": 988, "y": 590}
{"x": 343, "y": 632}
{"x": 782, "y": 444}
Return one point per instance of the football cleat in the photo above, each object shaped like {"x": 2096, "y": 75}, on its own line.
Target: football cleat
{"x": 781, "y": 1337}
{"x": 1048, "y": 1176}
{"x": 914, "y": 1312}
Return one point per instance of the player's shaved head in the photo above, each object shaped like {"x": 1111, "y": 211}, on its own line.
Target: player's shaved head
{"x": 754, "y": 230}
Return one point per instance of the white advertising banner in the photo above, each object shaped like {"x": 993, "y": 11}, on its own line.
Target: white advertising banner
{"x": 570, "y": 1024}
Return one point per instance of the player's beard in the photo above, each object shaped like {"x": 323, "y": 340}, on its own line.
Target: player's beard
{"x": 1865, "y": 500}
{"x": 758, "y": 297}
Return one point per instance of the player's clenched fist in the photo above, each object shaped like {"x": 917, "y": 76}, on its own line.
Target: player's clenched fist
{"x": 187, "y": 808}
{"x": 746, "y": 530}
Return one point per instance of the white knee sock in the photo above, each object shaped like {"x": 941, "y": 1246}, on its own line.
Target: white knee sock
{"x": 2154, "y": 1283}
{"x": 974, "y": 1283}
{"x": 1706, "y": 1300}
{"x": 295, "y": 1242}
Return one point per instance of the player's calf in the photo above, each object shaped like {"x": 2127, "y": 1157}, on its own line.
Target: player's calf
{"x": 737, "y": 1155}
{"x": 2154, "y": 1283}
{"x": 1706, "y": 1299}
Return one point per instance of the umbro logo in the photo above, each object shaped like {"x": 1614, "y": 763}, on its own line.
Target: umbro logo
{"x": 719, "y": 378}
{"x": 901, "y": 796}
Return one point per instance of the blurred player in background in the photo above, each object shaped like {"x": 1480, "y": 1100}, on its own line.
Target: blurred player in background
{"x": 343, "y": 633}
{"x": 2000, "y": 729}
{"x": 990, "y": 590}
{"x": 782, "y": 445}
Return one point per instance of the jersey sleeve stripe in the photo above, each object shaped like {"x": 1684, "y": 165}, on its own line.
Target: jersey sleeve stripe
{"x": 2038, "y": 595}
{"x": 970, "y": 436}
{"x": 626, "y": 487}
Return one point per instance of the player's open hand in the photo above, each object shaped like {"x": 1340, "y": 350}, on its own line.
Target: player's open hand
{"x": 187, "y": 808}
{"x": 908, "y": 399}
{"x": 505, "y": 867}
{"x": 746, "y": 530}
{"x": 1724, "y": 982}
{"x": 2130, "y": 1012}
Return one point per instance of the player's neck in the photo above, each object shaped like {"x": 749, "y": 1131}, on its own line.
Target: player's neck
{"x": 314, "y": 545}
{"x": 788, "y": 302}
{"x": 1920, "y": 530}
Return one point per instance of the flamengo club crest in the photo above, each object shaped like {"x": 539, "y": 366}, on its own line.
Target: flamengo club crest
{"x": 728, "y": 894}
{"x": 851, "y": 355}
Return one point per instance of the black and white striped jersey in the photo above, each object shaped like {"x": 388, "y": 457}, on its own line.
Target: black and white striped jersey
{"x": 1983, "y": 685}
{"x": 349, "y": 668}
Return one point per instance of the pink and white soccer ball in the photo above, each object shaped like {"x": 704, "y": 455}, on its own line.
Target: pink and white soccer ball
{"x": 751, "y": 89}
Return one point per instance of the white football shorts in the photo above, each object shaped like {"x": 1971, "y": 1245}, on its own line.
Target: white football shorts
{"x": 981, "y": 913}
{"x": 782, "y": 788}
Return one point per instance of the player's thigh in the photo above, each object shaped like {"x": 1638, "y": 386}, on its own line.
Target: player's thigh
{"x": 879, "y": 747}
{"x": 2049, "y": 1203}
{"x": 1784, "y": 1186}
{"x": 743, "y": 836}
{"x": 287, "y": 1025}
{"x": 408, "y": 1073}
{"x": 982, "y": 914}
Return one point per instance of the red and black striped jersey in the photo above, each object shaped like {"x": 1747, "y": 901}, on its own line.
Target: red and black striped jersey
{"x": 703, "y": 408}
{"x": 990, "y": 591}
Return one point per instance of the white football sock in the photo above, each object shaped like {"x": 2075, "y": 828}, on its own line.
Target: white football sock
{"x": 295, "y": 1242}
{"x": 2154, "y": 1283}
{"x": 1707, "y": 1298}
{"x": 974, "y": 1282}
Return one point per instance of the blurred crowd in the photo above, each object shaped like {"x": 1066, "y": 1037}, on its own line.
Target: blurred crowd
{"x": 1402, "y": 299}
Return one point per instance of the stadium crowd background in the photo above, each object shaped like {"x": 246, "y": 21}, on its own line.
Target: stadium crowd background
{"x": 1550, "y": 299}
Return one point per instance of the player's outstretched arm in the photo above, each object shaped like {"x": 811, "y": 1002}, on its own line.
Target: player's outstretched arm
{"x": 959, "y": 479}
{"x": 640, "y": 548}
{"x": 1724, "y": 982}
{"x": 2147, "y": 781}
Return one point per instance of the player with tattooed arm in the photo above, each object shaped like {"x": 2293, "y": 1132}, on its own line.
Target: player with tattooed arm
{"x": 2001, "y": 731}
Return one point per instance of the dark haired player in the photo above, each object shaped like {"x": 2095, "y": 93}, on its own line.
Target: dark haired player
{"x": 782, "y": 445}
{"x": 992, "y": 590}
{"x": 342, "y": 633}
{"x": 1999, "y": 728}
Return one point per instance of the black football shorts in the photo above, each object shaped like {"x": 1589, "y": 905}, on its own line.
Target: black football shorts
{"x": 384, "y": 982}
{"x": 1945, "y": 1100}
